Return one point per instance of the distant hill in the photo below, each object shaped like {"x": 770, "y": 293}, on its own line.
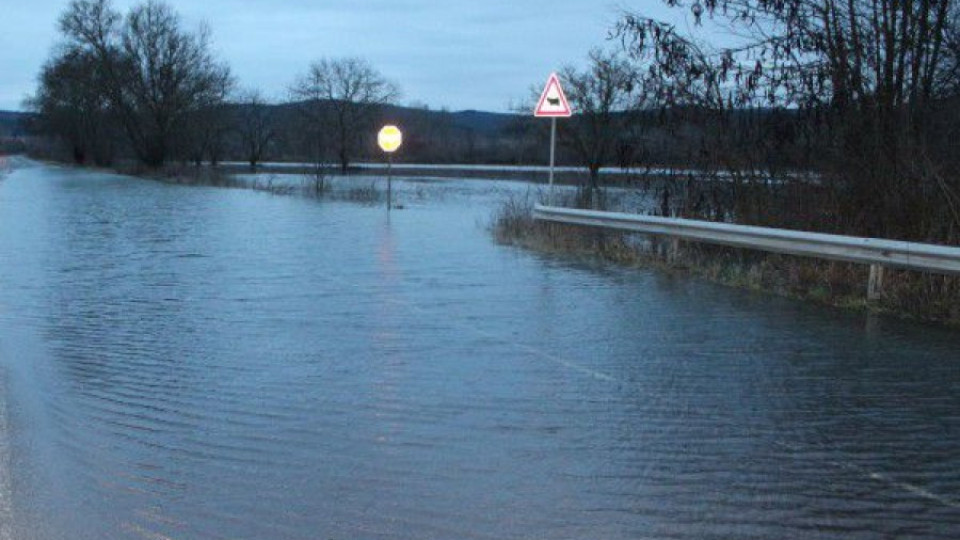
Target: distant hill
{"x": 437, "y": 136}
{"x": 486, "y": 122}
{"x": 482, "y": 123}
{"x": 431, "y": 135}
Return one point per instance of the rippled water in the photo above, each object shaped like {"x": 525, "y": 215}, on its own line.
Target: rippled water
{"x": 205, "y": 363}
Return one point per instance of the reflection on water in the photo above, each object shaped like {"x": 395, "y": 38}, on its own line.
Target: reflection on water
{"x": 203, "y": 363}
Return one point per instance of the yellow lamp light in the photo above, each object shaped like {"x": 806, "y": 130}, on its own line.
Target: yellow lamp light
{"x": 390, "y": 138}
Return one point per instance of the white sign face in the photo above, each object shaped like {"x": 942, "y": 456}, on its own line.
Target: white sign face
{"x": 390, "y": 138}
{"x": 553, "y": 102}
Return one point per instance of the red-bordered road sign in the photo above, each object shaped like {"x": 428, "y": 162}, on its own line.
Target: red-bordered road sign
{"x": 553, "y": 102}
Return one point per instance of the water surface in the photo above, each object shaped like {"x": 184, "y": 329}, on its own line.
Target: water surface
{"x": 206, "y": 363}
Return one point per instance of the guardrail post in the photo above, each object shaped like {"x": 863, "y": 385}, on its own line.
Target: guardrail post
{"x": 875, "y": 284}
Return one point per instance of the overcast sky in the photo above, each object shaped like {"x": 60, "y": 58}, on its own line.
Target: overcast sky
{"x": 459, "y": 54}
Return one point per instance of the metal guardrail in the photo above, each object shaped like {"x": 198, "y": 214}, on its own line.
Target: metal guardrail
{"x": 872, "y": 251}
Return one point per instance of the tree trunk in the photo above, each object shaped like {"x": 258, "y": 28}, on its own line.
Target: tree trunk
{"x": 594, "y": 176}
{"x": 79, "y": 155}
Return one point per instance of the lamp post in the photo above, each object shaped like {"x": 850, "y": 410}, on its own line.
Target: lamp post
{"x": 389, "y": 138}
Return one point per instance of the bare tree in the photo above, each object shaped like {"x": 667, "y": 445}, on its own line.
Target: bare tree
{"x": 307, "y": 129}
{"x": 341, "y": 97}
{"x": 156, "y": 73}
{"x": 71, "y": 105}
{"x": 255, "y": 126}
{"x": 868, "y": 75}
{"x": 883, "y": 53}
{"x": 204, "y": 134}
{"x": 604, "y": 98}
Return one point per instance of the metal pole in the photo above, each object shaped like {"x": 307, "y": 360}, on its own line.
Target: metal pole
{"x": 389, "y": 178}
{"x": 553, "y": 144}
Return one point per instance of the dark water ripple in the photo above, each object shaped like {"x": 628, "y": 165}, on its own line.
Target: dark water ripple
{"x": 202, "y": 363}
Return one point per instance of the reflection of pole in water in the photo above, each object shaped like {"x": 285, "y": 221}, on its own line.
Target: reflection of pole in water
{"x": 389, "y": 180}
{"x": 388, "y": 276}
{"x": 386, "y": 251}
{"x": 873, "y": 325}
{"x": 6, "y": 488}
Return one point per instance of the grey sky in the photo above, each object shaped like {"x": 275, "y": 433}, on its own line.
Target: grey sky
{"x": 474, "y": 54}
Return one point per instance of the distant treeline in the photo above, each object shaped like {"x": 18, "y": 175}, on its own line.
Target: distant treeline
{"x": 14, "y": 132}
{"x": 140, "y": 86}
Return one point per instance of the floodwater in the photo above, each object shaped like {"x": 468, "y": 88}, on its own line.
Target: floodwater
{"x": 193, "y": 363}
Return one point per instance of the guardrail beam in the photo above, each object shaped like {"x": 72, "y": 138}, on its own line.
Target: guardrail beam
{"x": 872, "y": 251}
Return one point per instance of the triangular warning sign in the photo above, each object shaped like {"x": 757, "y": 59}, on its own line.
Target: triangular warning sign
{"x": 553, "y": 102}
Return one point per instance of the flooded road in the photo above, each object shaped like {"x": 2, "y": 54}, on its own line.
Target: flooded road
{"x": 181, "y": 363}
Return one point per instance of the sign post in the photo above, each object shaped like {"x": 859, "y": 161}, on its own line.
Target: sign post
{"x": 390, "y": 138}
{"x": 553, "y": 104}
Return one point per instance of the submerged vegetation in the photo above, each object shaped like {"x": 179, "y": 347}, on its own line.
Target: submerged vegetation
{"x": 308, "y": 185}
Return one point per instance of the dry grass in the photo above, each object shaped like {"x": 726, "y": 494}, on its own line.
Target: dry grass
{"x": 366, "y": 194}
{"x": 907, "y": 294}
{"x": 513, "y": 224}
{"x": 310, "y": 186}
